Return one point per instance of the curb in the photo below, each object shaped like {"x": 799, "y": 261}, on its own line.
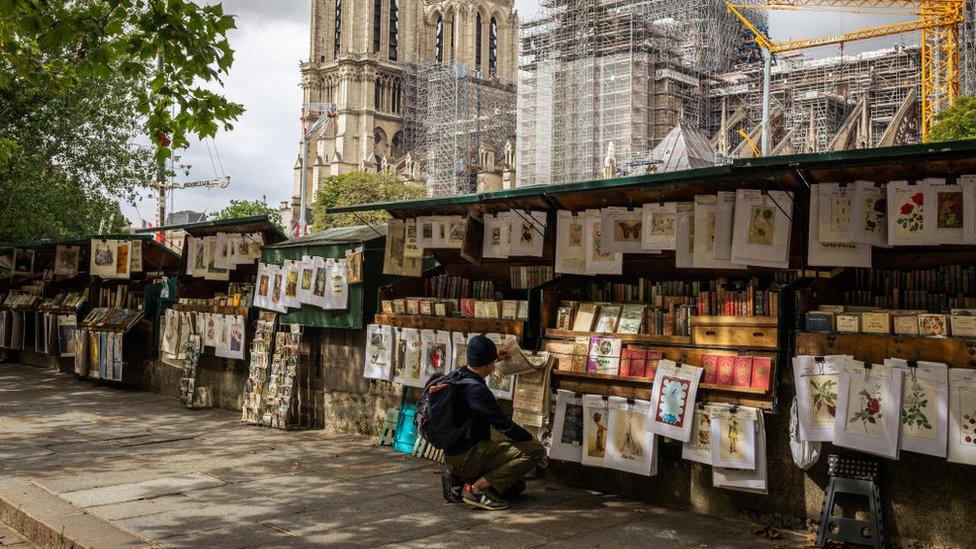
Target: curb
{"x": 46, "y": 520}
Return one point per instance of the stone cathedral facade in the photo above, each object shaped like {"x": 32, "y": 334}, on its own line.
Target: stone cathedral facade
{"x": 362, "y": 54}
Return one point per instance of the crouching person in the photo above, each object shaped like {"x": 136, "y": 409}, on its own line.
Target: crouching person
{"x": 459, "y": 413}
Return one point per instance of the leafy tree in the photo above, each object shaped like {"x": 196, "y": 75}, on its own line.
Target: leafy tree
{"x": 247, "y": 208}
{"x": 61, "y": 44}
{"x": 956, "y": 123}
{"x": 353, "y": 188}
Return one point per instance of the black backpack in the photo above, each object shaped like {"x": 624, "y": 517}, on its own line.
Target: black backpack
{"x": 435, "y": 413}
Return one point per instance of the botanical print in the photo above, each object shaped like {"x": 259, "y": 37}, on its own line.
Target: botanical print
{"x": 629, "y": 432}
{"x": 949, "y": 209}
{"x": 596, "y": 442}
{"x": 916, "y": 412}
{"x": 573, "y": 425}
{"x": 672, "y": 404}
{"x": 575, "y": 233}
{"x": 840, "y": 213}
{"x": 762, "y": 221}
{"x": 599, "y": 253}
{"x": 910, "y": 208}
{"x": 627, "y": 231}
{"x": 864, "y": 410}
{"x": 967, "y": 415}
{"x": 823, "y": 398}
{"x": 662, "y": 224}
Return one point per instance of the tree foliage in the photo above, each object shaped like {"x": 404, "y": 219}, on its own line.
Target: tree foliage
{"x": 354, "y": 188}
{"x": 248, "y": 208}
{"x": 956, "y": 123}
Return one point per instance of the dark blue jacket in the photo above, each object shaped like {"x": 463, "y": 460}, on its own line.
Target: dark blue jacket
{"x": 476, "y": 411}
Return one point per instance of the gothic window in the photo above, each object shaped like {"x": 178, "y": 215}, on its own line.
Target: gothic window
{"x": 439, "y": 41}
{"x": 377, "y": 24}
{"x": 396, "y": 145}
{"x": 477, "y": 42}
{"x": 377, "y": 93}
{"x": 338, "y": 29}
{"x": 396, "y": 96}
{"x": 394, "y": 28}
{"x": 493, "y": 47}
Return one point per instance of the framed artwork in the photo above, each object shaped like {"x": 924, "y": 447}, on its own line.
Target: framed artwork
{"x": 908, "y": 220}
{"x": 724, "y": 212}
{"x": 761, "y": 228}
{"x": 595, "y": 420}
{"x": 379, "y": 352}
{"x": 102, "y": 261}
{"x": 733, "y": 436}
{"x": 746, "y": 480}
{"x": 567, "y": 428}
{"x": 869, "y": 408}
{"x": 924, "y": 406}
{"x": 570, "y": 245}
{"x": 817, "y": 381}
{"x": 527, "y": 233}
{"x": 821, "y": 253}
{"x": 962, "y": 416}
{"x": 630, "y": 446}
{"x": 835, "y": 212}
{"x": 436, "y": 358}
{"x": 408, "y": 358}
{"x": 705, "y": 233}
{"x": 684, "y": 235}
{"x": 699, "y": 445}
{"x": 623, "y": 228}
{"x": 599, "y": 259}
{"x": 66, "y": 259}
{"x": 869, "y": 214}
{"x": 659, "y": 226}
{"x": 673, "y": 399}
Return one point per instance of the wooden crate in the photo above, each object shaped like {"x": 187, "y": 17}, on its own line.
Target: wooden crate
{"x": 751, "y": 332}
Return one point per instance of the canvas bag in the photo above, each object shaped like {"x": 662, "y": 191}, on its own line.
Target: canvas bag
{"x": 805, "y": 454}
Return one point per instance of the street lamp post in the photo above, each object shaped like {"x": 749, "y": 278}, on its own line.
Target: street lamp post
{"x": 329, "y": 109}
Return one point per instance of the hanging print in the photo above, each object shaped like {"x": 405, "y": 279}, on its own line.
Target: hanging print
{"x": 699, "y": 445}
{"x": 567, "y": 427}
{"x": 673, "y": 399}
{"x": 496, "y": 235}
{"x": 962, "y": 416}
{"x": 622, "y": 228}
{"x": 762, "y": 225}
{"x": 746, "y": 480}
{"x": 869, "y": 215}
{"x": 103, "y": 258}
{"x": 869, "y": 408}
{"x": 705, "y": 233}
{"x": 570, "y": 249}
{"x": 528, "y": 233}
{"x": 659, "y": 226}
{"x": 436, "y": 359}
{"x": 834, "y": 219}
{"x": 599, "y": 259}
{"x": 408, "y": 357}
{"x": 502, "y": 386}
{"x": 924, "y": 406}
{"x": 594, "y": 429}
{"x": 907, "y": 214}
{"x": 379, "y": 352}
{"x": 722, "y": 231}
{"x": 337, "y": 287}
{"x": 817, "y": 380}
{"x": 630, "y": 446}
{"x": 66, "y": 259}
{"x": 684, "y": 235}
{"x": 823, "y": 253}
{"x": 733, "y": 430}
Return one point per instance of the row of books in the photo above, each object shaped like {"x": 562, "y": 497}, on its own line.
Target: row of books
{"x": 841, "y": 318}
{"x": 626, "y": 318}
{"x": 528, "y": 277}
{"x": 110, "y": 319}
{"x": 506, "y": 309}
{"x": 609, "y": 356}
{"x": 238, "y": 295}
{"x": 119, "y": 297}
{"x": 909, "y": 299}
{"x": 456, "y": 287}
{"x": 737, "y": 371}
{"x": 719, "y": 296}
{"x": 20, "y": 300}
{"x": 950, "y": 279}
{"x": 61, "y": 302}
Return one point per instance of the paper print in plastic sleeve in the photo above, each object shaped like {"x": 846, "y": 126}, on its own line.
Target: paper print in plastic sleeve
{"x": 968, "y": 184}
{"x": 599, "y": 259}
{"x": 909, "y": 220}
{"x": 924, "y": 406}
{"x": 102, "y": 260}
{"x": 733, "y": 436}
{"x": 746, "y": 480}
{"x": 409, "y": 357}
{"x": 821, "y": 253}
{"x": 459, "y": 346}
{"x": 630, "y": 446}
{"x": 570, "y": 243}
{"x": 379, "y": 352}
{"x": 762, "y": 227}
{"x": 817, "y": 380}
{"x": 528, "y": 233}
{"x": 411, "y": 244}
{"x": 337, "y": 286}
{"x": 595, "y": 420}
{"x": 724, "y": 217}
{"x": 497, "y": 233}
{"x": 673, "y": 399}
{"x": 502, "y": 386}
{"x": 962, "y": 416}
{"x": 622, "y": 228}
{"x": 684, "y": 234}
{"x": 659, "y": 226}
{"x": 869, "y": 214}
{"x": 834, "y": 219}
{"x": 699, "y": 445}
{"x": 705, "y": 235}
{"x": 567, "y": 428}
{"x": 869, "y": 408}
{"x": 436, "y": 358}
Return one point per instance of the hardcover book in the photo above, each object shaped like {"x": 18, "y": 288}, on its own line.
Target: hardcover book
{"x": 604, "y": 356}
{"x": 762, "y": 371}
{"x": 743, "y": 371}
{"x": 876, "y": 323}
{"x": 509, "y": 309}
{"x": 933, "y": 325}
{"x": 905, "y": 323}
{"x": 848, "y": 323}
{"x": 817, "y": 321}
{"x": 633, "y": 361}
{"x": 710, "y": 365}
{"x": 650, "y": 365}
{"x": 564, "y": 318}
{"x": 581, "y": 349}
{"x": 631, "y": 319}
{"x": 726, "y": 370}
{"x": 584, "y": 317}
{"x": 467, "y": 308}
{"x": 606, "y": 322}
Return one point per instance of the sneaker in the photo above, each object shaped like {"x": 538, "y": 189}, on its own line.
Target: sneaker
{"x": 514, "y": 490}
{"x": 485, "y": 499}
{"x": 452, "y": 486}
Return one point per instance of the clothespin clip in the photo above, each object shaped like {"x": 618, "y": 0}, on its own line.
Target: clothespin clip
{"x": 913, "y": 369}
{"x": 821, "y": 362}
{"x": 734, "y": 409}
{"x": 867, "y": 370}
{"x": 630, "y": 400}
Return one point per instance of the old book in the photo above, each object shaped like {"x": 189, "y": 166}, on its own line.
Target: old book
{"x": 467, "y": 308}
{"x": 762, "y": 372}
{"x": 387, "y": 306}
{"x": 633, "y": 361}
{"x": 399, "y": 306}
{"x": 426, "y": 307}
{"x": 743, "y": 371}
{"x": 585, "y": 317}
{"x": 581, "y": 350}
{"x": 933, "y": 325}
{"x": 441, "y": 308}
{"x": 848, "y": 323}
{"x": 905, "y": 323}
{"x": 818, "y": 321}
{"x": 709, "y": 363}
{"x": 631, "y": 319}
{"x": 413, "y": 306}
{"x": 564, "y": 318}
{"x": 963, "y": 325}
{"x": 606, "y": 321}
{"x": 876, "y": 323}
{"x": 652, "y": 360}
{"x": 509, "y": 309}
{"x": 726, "y": 370}
{"x": 836, "y": 309}
{"x": 604, "y": 356}
{"x": 493, "y": 309}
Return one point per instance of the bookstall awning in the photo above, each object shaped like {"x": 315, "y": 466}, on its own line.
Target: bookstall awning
{"x": 156, "y": 256}
{"x": 335, "y": 243}
{"x": 793, "y": 172}
{"x": 253, "y": 224}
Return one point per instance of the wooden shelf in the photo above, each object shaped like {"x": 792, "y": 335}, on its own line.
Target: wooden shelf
{"x": 954, "y": 351}
{"x": 453, "y": 324}
{"x": 731, "y": 389}
{"x": 626, "y": 338}
{"x": 604, "y": 377}
{"x": 734, "y": 321}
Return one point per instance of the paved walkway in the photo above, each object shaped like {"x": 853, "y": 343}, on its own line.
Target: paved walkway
{"x": 104, "y": 467}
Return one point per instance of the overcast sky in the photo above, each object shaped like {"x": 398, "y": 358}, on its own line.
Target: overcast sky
{"x": 270, "y": 41}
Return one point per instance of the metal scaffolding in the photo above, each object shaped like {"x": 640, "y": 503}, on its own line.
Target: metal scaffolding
{"x": 967, "y": 50}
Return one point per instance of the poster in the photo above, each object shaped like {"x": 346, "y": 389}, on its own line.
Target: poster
{"x": 379, "y": 352}
{"x": 869, "y": 408}
{"x": 623, "y": 228}
{"x": 869, "y": 215}
{"x": 673, "y": 399}
{"x": 924, "y": 406}
{"x": 817, "y": 380}
{"x": 567, "y": 429}
{"x": 630, "y": 446}
{"x": 408, "y": 357}
{"x": 599, "y": 260}
{"x": 527, "y": 233}
{"x": 570, "y": 245}
{"x": 962, "y": 416}
{"x": 733, "y": 436}
{"x": 66, "y": 259}
{"x": 659, "y": 226}
{"x": 594, "y": 430}
{"x": 821, "y": 253}
{"x": 761, "y": 229}
{"x": 706, "y": 233}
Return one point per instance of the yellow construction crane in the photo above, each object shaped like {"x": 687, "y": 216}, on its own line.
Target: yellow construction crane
{"x": 938, "y": 21}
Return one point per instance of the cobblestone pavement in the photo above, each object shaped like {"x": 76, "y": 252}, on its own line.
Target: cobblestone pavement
{"x": 105, "y": 467}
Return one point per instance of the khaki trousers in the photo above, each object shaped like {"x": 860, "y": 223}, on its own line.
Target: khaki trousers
{"x": 502, "y": 462}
